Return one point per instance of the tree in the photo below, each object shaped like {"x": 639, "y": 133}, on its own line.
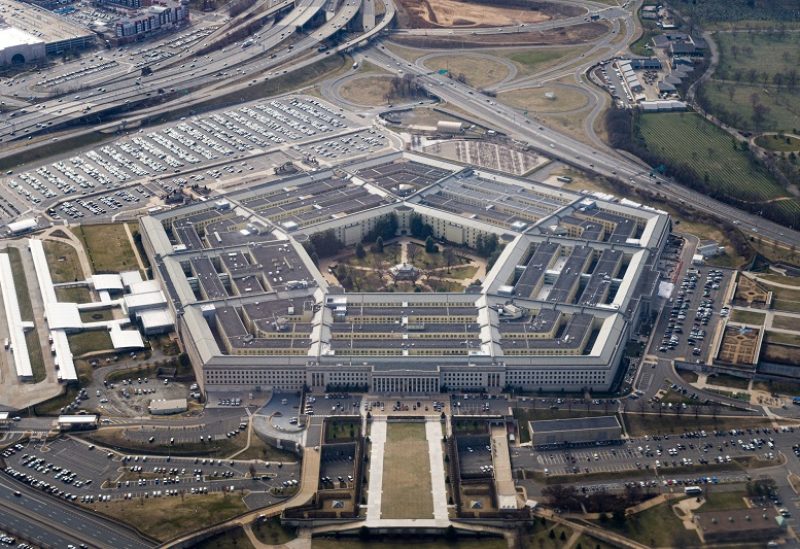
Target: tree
{"x": 252, "y": 471}
{"x": 449, "y": 257}
{"x": 430, "y": 246}
{"x": 379, "y": 245}
{"x": 360, "y": 252}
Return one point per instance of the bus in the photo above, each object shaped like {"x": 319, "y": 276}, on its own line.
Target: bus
{"x": 693, "y": 491}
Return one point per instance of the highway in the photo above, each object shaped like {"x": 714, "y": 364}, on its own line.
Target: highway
{"x": 210, "y": 69}
{"x": 58, "y": 521}
{"x": 579, "y": 154}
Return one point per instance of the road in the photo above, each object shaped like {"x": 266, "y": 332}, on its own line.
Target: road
{"x": 65, "y": 521}
{"x": 576, "y": 153}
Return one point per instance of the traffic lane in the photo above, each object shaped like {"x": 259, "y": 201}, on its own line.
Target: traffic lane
{"x": 600, "y": 161}
{"x": 20, "y": 523}
{"x": 87, "y": 527}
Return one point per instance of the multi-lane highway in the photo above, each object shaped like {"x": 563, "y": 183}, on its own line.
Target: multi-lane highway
{"x": 574, "y": 152}
{"x": 54, "y": 523}
{"x": 231, "y": 63}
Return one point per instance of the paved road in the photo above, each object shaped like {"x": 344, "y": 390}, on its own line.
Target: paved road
{"x": 67, "y": 519}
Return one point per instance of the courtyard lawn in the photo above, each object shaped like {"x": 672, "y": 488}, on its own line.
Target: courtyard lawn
{"x": 62, "y": 259}
{"x": 89, "y": 341}
{"x": 108, "y": 247}
{"x": 406, "y": 473}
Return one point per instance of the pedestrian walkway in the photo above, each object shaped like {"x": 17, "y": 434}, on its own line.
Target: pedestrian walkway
{"x": 433, "y": 434}
{"x": 377, "y": 437}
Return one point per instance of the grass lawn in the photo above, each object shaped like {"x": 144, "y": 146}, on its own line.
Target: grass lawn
{"x": 747, "y": 317}
{"x": 97, "y": 315}
{"x": 787, "y": 143}
{"x": 89, "y": 341}
{"x": 271, "y": 531}
{"x": 780, "y": 387}
{"x": 35, "y": 354}
{"x": 76, "y": 294}
{"x": 439, "y": 285}
{"x": 729, "y": 381}
{"x": 733, "y": 103}
{"x": 587, "y": 542}
{"x": 764, "y": 52}
{"x": 478, "y": 70}
{"x": 167, "y": 517}
{"x": 724, "y": 501}
{"x": 371, "y": 90}
{"x": 549, "y": 536}
{"x": 785, "y": 299}
{"x": 534, "y": 60}
{"x": 414, "y": 543}
{"x": 216, "y": 448}
{"x": 688, "y": 376}
{"x": 785, "y": 322}
{"x": 63, "y": 262}
{"x": 687, "y": 138}
{"x": 658, "y": 526}
{"x": 785, "y": 339}
{"x": 20, "y": 283}
{"x": 341, "y": 430}
{"x": 461, "y": 273}
{"x": 235, "y": 538}
{"x": 108, "y": 247}
{"x": 639, "y": 425}
{"x": 390, "y": 256}
{"x": 424, "y": 260}
{"x": 533, "y": 99}
{"x": 406, "y": 473}
{"x": 780, "y": 279}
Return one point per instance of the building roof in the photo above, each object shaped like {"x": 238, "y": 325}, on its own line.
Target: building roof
{"x": 63, "y": 316}
{"x": 737, "y": 521}
{"x": 77, "y": 419}
{"x": 155, "y": 318}
{"x": 109, "y": 282}
{"x": 22, "y": 361}
{"x": 125, "y": 339}
{"x": 22, "y": 224}
{"x": 150, "y": 299}
{"x": 575, "y": 424}
{"x": 130, "y": 277}
{"x": 11, "y": 37}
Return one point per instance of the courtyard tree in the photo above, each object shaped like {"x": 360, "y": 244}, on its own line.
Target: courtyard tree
{"x": 360, "y": 252}
{"x": 430, "y": 245}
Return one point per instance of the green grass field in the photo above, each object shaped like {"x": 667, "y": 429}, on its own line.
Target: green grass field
{"x": 88, "y": 341}
{"x": 778, "y": 143}
{"x": 748, "y": 317}
{"x": 406, "y": 473}
{"x": 108, "y": 247}
{"x": 786, "y": 299}
{"x": 658, "y": 526}
{"x": 78, "y": 294}
{"x": 687, "y": 138}
{"x": 63, "y": 262}
{"x": 756, "y": 68}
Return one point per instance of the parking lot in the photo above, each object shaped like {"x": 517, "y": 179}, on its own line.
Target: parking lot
{"x": 216, "y": 137}
{"x": 75, "y": 471}
{"x": 670, "y": 455}
{"x": 475, "y": 455}
{"x": 337, "y": 466}
{"x": 688, "y": 324}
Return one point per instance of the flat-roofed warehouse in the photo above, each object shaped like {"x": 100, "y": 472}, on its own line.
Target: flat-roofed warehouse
{"x": 575, "y": 431}
{"x": 57, "y": 34}
{"x": 576, "y": 275}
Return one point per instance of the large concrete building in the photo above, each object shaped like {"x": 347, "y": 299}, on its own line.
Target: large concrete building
{"x": 575, "y": 277}
{"x": 29, "y": 33}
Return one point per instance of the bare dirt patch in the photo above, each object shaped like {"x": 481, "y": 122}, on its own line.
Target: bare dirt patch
{"x": 576, "y": 34}
{"x": 426, "y": 14}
